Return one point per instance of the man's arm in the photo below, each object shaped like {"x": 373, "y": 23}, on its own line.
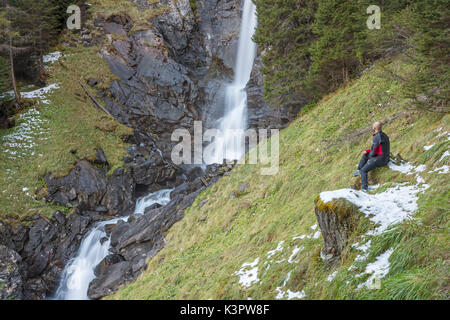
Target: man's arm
{"x": 376, "y": 142}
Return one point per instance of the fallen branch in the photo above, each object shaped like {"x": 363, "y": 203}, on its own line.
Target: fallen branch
{"x": 98, "y": 105}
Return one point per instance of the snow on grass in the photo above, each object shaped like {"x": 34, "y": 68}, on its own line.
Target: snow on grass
{"x": 281, "y": 294}
{"x": 441, "y": 170}
{"x": 428, "y": 147}
{"x": 247, "y": 276}
{"x": 52, "y": 57}
{"x": 364, "y": 248}
{"x": 392, "y": 206}
{"x": 303, "y": 236}
{"x": 443, "y": 134}
{"x": 445, "y": 155}
{"x": 25, "y": 135}
{"x": 295, "y": 295}
{"x": 332, "y": 276}
{"x": 294, "y": 253}
{"x": 40, "y": 93}
{"x": 406, "y": 167}
{"x": 277, "y": 249}
{"x": 378, "y": 270}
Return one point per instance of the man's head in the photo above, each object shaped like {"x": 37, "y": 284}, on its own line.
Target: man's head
{"x": 377, "y": 126}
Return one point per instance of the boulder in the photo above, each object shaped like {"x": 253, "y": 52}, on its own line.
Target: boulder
{"x": 108, "y": 282}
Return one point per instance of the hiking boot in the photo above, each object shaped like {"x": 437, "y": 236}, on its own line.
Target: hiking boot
{"x": 356, "y": 173}
{"x": 365, "y": 190}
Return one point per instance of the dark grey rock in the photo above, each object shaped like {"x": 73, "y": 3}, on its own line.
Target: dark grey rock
{"x": 84, "y": 186}
{"x": 11, "y": 281}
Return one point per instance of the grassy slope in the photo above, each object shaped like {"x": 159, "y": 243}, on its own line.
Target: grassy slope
{"x": 71, "y": 124}
{"x": 201, "y": 256}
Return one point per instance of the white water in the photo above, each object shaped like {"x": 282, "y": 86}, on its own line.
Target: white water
{"x": 79, "y": 272}
{"x": 230, "y": 143}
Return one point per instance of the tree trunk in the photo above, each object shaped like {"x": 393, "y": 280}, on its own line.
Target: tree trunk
{"x": 13, "y": 77}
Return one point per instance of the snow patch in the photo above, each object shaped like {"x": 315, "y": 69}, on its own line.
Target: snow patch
{"x": 52, "y": 57}
{"x": 441, "y": 170}
{"x": 277, "y": 249}
{"x": 40, "y": 93}
{"x": 445, "y": 155}
{"x": 332, "y": 276}
{"x": 316, "y": 235}
{"x": 294, "y": 253}
{"x": 288, "y": 293}
{"x": 378, "y": 270}
{"x": 247, "y": 276}
{"x": 390, "y": 207}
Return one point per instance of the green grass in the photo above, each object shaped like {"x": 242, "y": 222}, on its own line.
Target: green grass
{"x": 72, "y": 129}
{"x": 201, "y": 257}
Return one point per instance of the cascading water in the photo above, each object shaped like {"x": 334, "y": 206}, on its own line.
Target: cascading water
{"x": 229, "y": 144}
{"x": 79, "y": 272}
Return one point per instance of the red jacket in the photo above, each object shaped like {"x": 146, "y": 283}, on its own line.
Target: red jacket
{"x": 380, "y": 143}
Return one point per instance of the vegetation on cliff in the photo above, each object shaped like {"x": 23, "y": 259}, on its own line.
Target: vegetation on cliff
{"x": 312, "y": 47}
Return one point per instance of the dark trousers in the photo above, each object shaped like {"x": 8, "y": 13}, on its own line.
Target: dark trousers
{"x": 366, "y": 164}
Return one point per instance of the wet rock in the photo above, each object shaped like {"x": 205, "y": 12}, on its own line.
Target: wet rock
{"x": 11, "y": 281}
{"x": 119, "y": 194}
{"x": 150, "y": 208}
{"x": 108, "y": 282}
{"x": 109, "y": 228}
{"x": 137, "y": 241}
{"x": 59, "y": 217}
{"x": 84, "y": 186}
{"x": 107, "y": 262}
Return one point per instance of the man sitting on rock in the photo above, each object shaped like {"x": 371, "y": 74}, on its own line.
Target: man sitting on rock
{"x": 376, "y": 156}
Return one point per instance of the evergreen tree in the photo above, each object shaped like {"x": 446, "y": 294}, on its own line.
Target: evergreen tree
{"x": 340, "y": 44}
{"x": 284, "y": 36}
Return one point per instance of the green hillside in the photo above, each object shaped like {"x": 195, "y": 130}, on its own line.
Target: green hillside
{"x": 270, "y": 230}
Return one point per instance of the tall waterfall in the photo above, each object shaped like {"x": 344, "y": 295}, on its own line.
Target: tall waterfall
{"x": 230, "y": 143}
{"x": 79, "y": 272}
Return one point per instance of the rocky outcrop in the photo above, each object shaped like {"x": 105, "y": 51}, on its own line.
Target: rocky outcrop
{"x": 337, "y": 220}
{"x": 38, "y": 253}
{"x": 175, "y": 72}
{"x": 142, "y": 237}
{"x": 84, "y": 186}
{"x": 11, "y": 281}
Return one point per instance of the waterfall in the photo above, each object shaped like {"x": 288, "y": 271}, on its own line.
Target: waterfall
{"x": 79, "y": 272}
{"x": 230, "y": 144}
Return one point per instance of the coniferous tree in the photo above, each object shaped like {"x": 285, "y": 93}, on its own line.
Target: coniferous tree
{"x": 338, "y": 50}
{"x": 284, "y": 36}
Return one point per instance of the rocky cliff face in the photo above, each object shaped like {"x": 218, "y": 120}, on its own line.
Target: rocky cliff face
{"x": 174, "y": 73}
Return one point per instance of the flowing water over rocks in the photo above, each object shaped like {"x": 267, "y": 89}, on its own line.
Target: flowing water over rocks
{"x": 231, "y": 142}
{"x": 95, "y": 247}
